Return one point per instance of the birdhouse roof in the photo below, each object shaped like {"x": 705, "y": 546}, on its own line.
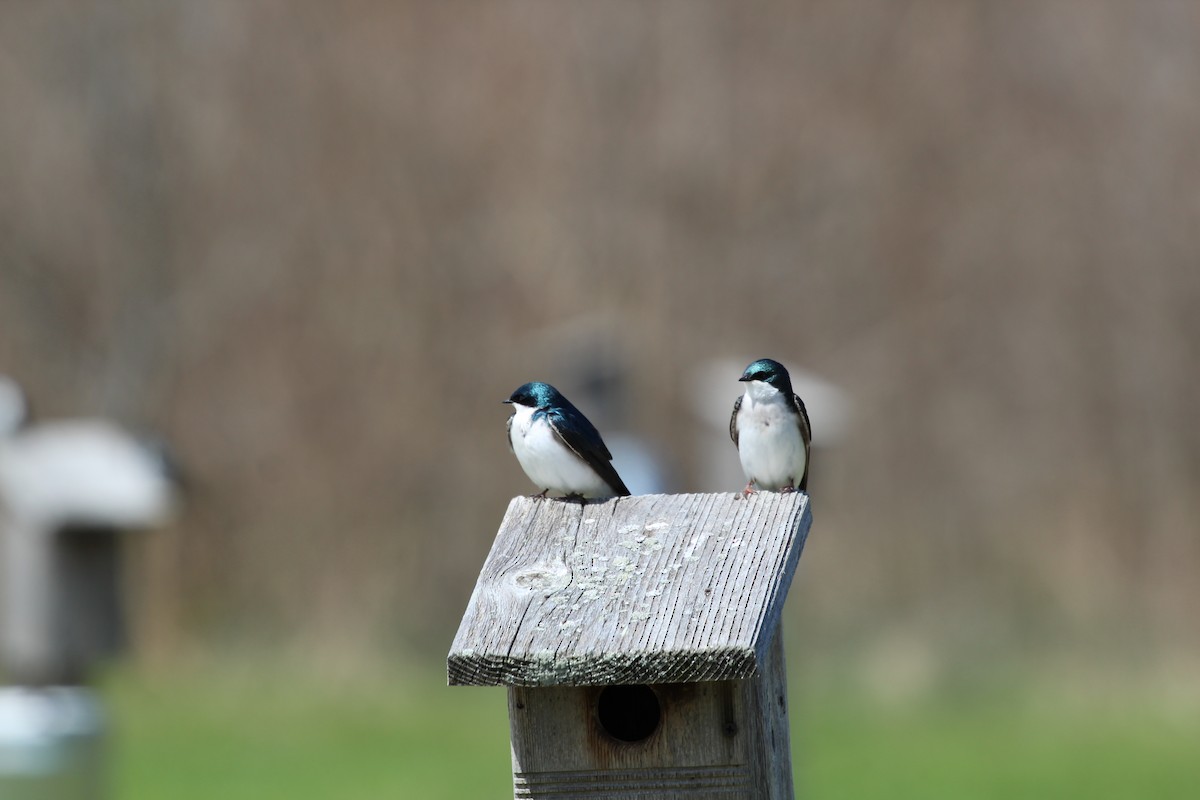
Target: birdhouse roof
{"x": 646, "y": 589}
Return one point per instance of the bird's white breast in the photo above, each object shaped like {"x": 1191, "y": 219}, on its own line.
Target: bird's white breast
{"x": 547, "y": 461}
{"x": 769, "y": 443}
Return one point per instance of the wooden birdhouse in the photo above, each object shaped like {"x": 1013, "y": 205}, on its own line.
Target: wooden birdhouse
{"x": 640, "y": 641}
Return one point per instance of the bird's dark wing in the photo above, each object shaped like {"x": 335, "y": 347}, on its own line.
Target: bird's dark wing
{"x": 806, "y": 435}
{"x": 733, "y": 429}
{"x": 581, "y": 437}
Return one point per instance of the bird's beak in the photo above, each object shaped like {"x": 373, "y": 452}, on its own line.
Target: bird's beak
{"x": 506, "y": 402}
{"x": 744, "y": 378}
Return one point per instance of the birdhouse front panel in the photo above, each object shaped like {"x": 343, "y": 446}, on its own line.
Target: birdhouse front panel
{"x": 694, "y": 740}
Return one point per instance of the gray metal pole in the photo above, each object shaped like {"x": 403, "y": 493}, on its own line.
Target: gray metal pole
{"x": 27, "y": 647}
{"x": 52, "y": 738}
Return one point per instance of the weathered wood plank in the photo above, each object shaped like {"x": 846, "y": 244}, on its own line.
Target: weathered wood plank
{"x": 715, "y": 739}
{"x": 646, "y": 589}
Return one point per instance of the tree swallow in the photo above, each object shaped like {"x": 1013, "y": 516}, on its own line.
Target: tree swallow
{"x": 559, "y": 449}
{"x": 770, "y": 427}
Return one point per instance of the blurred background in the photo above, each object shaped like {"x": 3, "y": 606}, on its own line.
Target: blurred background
{"x": 314, "y": 247}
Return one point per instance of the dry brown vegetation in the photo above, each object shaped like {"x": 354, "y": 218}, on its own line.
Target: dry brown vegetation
{"x": 316, "y": 244}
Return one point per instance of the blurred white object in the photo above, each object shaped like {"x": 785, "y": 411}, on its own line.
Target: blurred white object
{"x": 51, "y": 744}
{"x": 38, "y": 726}
{"x": 78, "y": 472}
{"x": 639, "y": 466}
{"x": 66, "y": 490}
{"x": 14, "y": 409}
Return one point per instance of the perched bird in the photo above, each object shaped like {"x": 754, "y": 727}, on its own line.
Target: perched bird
{"x": 559, "y": 449}
{"x": 770, "y": 427}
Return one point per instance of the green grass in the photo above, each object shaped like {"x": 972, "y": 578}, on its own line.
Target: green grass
{"x": 985, "y": 748}
{"x": 256, "y": 734}
{"x": 260, "y": 736}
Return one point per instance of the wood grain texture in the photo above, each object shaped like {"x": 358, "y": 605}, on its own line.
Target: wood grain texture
{"x": 769, "y": 742}
{"x": 715, "y": 739}
{"x": 646, "y": 589}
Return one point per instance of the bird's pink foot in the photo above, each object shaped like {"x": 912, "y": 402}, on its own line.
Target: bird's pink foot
{"x": 749, "y": 490}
